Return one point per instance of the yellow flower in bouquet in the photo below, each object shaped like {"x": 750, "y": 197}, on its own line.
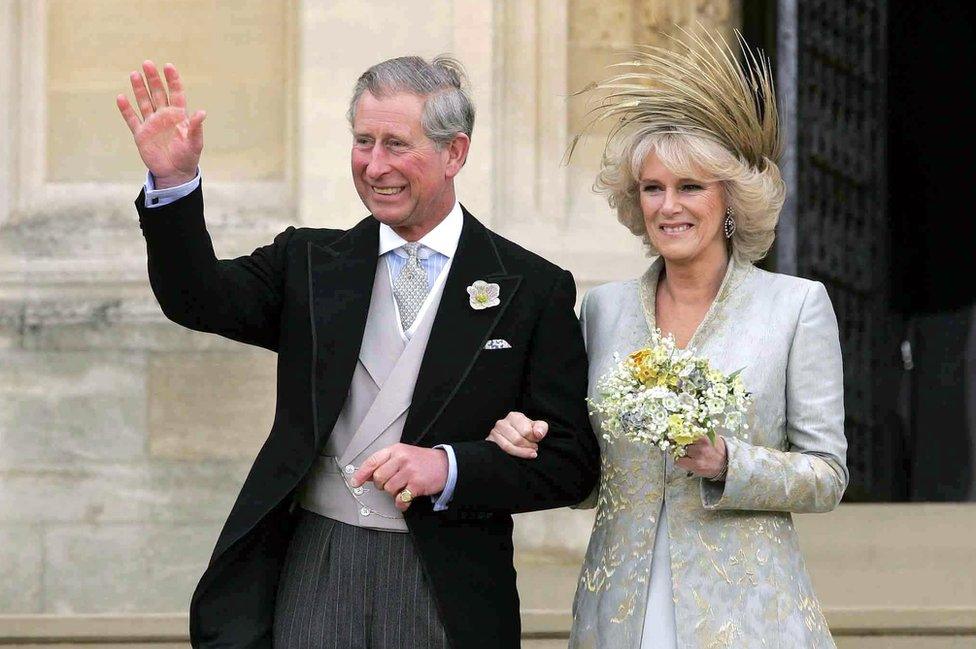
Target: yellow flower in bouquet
{"x": 642, "y": 366}
{"x": 650, "y": 367}
{"x": 680, "y": 433}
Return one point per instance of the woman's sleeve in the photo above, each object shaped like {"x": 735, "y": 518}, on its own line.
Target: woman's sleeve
{"x": 590, "y": 501}
{"x": 811, "y": 475}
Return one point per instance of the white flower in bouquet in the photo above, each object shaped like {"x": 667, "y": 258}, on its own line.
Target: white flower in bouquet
{"x": 670, "y": 402}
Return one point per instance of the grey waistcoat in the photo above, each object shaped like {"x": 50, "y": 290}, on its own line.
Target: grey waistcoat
{"x": 373, "y": 415}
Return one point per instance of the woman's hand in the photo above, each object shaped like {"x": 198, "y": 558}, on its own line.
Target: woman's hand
{"x": 518, "y": 435}
{"x": 705, "y": 459}
{"x": 169, "y": 141}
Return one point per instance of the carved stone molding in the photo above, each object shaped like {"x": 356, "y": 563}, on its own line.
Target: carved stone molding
{"x": 101, "y": 323}
{"x": 34, "y": 196}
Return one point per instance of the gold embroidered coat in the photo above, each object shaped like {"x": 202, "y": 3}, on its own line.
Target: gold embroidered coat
{"x": 738, "y": 578}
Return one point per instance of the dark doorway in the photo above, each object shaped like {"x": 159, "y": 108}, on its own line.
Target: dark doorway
{"x": 881, "y": 98}
{"x": 933, "y": 233}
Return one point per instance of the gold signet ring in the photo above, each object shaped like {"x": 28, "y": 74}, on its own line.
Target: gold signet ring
{"x": 405, "y": 496}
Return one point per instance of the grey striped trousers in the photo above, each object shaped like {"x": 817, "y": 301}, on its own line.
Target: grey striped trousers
{"x": 347, "y": 587}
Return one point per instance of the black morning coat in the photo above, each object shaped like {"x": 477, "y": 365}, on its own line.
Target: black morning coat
{"x": 306, "y": 296}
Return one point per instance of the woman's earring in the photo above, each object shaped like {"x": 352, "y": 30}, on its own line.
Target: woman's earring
{"x": 729, "y": 224}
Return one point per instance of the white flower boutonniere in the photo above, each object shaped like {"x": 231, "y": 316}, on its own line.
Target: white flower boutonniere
{"x": 483, "y": 295}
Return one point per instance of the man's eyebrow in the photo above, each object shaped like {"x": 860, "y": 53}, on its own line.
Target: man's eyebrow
{"x": 388, "y": 135}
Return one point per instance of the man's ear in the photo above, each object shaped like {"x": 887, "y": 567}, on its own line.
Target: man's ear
{"x": 457, "y": 154}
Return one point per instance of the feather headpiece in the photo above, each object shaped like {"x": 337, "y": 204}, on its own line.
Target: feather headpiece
{"x": 698, "y": 87}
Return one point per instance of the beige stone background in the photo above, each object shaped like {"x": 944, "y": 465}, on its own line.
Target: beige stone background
{"x": 123, "y": 441}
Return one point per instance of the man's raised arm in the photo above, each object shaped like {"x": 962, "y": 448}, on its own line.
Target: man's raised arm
{"x": 237, "y": 298}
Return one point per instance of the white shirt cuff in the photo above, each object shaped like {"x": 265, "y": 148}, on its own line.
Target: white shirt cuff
{"x": 444, "y": 499}
{"x": 160, "y": 197}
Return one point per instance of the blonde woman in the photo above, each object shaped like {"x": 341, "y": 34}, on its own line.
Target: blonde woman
{"x": 701, "y": 552}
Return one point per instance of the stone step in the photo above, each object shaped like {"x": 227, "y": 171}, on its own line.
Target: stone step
{"x": 853, "y": 628}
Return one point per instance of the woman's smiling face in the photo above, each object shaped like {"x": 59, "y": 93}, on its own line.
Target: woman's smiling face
{"x": 683, "y": 216}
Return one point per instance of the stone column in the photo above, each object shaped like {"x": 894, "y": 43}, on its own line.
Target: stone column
{"x": 8, "y": 87}
{"x": 579, "y": 231}
{"x": 787, "y": 48}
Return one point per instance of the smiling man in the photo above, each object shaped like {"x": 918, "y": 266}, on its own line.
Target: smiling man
{"x": 376, "y": 515}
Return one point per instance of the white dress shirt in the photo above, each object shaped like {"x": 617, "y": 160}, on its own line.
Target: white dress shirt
{"x": 436, "y": 252}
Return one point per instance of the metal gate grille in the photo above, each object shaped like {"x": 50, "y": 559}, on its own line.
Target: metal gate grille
{"x": 842, "y": 225}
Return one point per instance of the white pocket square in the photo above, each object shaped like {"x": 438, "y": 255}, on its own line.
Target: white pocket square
{"x": 497, "y": 343}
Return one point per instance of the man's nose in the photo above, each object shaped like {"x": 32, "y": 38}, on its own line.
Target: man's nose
{"x": 377, "y": 164}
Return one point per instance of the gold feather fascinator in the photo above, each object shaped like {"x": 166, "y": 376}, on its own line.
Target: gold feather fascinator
{"x": 699, "y": 87}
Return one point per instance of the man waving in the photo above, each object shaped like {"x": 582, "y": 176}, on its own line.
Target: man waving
{"x": 376, "y": 515}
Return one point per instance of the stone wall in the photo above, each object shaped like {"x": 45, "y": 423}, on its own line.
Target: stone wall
{"x": 852, "y": 629}
{"x": 124, "y": 438}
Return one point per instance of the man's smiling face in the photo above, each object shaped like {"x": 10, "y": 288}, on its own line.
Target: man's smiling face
{"x": 401, "y": 175}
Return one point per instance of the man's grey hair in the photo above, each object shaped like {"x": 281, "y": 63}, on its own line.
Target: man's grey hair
{"x": 448, "y": 109}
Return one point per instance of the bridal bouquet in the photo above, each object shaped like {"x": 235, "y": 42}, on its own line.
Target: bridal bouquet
{"x": 669, "y": 397}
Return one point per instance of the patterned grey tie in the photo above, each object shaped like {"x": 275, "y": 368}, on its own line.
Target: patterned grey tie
{"x": 410, "y": 287}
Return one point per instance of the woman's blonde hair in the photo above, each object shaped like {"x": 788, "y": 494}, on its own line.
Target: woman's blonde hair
{"x": 706, "y": 113}
{"x": 755, "y": 196}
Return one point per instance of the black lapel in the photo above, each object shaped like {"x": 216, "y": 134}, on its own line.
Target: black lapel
{"x": 340, "y": 284}
{"x": 459, "y": 332}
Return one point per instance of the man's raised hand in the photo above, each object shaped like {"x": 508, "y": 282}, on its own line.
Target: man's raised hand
{"x": 169, "y": 141}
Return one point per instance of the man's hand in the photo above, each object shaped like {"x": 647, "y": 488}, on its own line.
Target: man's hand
{"x": 169, "y": 141}
{"x": 421, "y": 470}
{"x": 703, "y": 458}
{"x": 518, "y": 435}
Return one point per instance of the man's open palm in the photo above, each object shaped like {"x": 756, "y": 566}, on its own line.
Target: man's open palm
{"x": 169, "y": 141}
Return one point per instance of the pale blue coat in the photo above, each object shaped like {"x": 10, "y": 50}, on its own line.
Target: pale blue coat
{"x": 739, "y": 581}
